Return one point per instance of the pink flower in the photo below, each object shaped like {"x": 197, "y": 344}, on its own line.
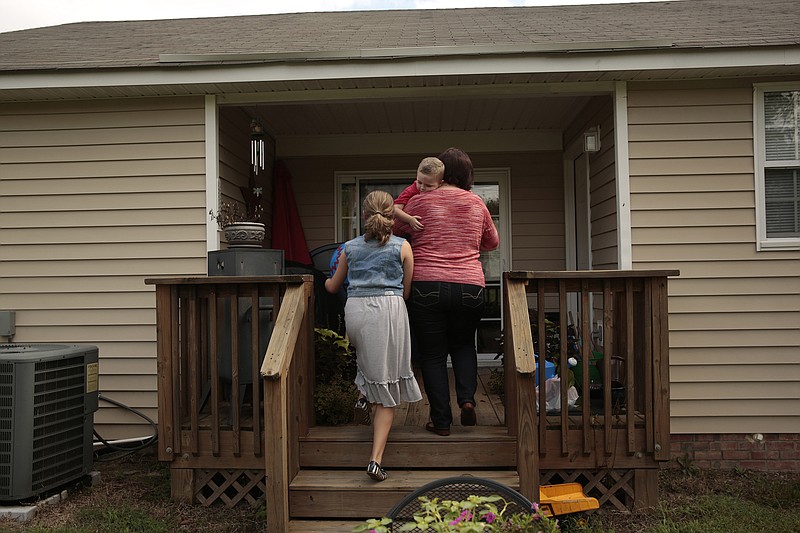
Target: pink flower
{"x": 465, "y": 515}
{"x": 490, "y": 517}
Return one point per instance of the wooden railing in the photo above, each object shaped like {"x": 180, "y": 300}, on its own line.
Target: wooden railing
{"x": 621, "y": 422}
{"x": 287, "y": 372}
{"x": 208, "y": 328}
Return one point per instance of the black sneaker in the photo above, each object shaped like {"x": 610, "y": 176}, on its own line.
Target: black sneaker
{"x": 375, "y": 471}
{"x": 361, "y": 413}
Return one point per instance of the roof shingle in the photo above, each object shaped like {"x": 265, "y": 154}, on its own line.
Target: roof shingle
{"x": 686, "y": 24}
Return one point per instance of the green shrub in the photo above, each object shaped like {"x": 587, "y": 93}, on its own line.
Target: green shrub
{"x": 334, "y": 392}
{"x": 333, "y": 402}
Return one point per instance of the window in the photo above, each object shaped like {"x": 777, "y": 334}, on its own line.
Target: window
{"x": 491, "y": 185}
{"x": 777, "y": 134}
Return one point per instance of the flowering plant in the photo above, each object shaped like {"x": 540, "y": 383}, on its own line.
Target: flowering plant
{"x": 233, "y": 212}
{"x": 475, "y": 514}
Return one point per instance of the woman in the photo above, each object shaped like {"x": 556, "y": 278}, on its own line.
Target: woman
{"x": 447, "y": 291}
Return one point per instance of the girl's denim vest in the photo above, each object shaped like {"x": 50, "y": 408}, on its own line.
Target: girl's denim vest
{"x": 374, "y": 270}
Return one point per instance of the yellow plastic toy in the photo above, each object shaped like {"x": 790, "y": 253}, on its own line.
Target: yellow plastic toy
{"x": 565, "y": 498}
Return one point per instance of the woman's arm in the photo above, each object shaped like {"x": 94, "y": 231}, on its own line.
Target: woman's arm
{"x": 332, "y": 285}
{"x": 407, "y": 258}
{"x": 490, "y": 239}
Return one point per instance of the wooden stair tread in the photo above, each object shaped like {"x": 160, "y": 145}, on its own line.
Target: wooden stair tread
{"x": 322, "y": 526}
{"x": 351, "y": 495}
{"x": 482, "y": 447}
{"x": 405, "y": 480}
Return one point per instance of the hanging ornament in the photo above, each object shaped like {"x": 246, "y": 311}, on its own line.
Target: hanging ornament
{"x": 257, "y": 155}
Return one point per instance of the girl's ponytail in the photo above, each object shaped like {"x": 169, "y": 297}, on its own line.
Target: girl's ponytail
{"x": 378, "y": 216}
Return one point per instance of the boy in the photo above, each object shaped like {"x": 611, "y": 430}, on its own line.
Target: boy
{"x": 429, "y": 177}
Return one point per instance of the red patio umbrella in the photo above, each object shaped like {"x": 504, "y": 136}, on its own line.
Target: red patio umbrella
{"x": 287, "y": 230}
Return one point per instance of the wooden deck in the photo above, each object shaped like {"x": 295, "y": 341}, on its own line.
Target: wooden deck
{"x": 489, "y": 407}
{"x": 231, "y": 438}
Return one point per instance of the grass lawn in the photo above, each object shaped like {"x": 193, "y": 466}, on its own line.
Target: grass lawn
{"x": 133, "y": 497}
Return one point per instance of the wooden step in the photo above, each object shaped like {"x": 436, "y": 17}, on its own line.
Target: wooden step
{"x": 352, "y": 494}
{"x": 409, "y": 447}
{"x": 322, "y": 526}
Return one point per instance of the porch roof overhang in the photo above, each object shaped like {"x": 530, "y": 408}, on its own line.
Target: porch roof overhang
{"x": 395, "y": 73}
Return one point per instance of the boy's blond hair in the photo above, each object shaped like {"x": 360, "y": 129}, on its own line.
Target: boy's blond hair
{"x": 431, "y": 166}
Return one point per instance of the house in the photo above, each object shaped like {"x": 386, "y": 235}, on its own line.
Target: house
{"x": 661, "y": 135}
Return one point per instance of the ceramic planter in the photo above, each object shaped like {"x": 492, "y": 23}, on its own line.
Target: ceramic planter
{"x": 245, "y": 234}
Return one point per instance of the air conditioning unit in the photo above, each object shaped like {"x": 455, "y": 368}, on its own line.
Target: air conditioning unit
{"x": 48, "y": 396}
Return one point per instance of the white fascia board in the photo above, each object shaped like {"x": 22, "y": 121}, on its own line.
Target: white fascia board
{"x": 450, "y": 92}
{"x": 416, "y": 143}
{"x": 428, "y": 66}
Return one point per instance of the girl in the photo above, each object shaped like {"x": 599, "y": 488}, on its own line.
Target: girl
{"x": 378, "y": 267}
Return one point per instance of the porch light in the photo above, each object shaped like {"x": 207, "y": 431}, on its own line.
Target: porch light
{"x": 257, "y": 156}
{"x": 591, "y": 140}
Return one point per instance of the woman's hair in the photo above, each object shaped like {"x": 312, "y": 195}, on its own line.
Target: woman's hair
{"x": 378, "y": 216}
{"x": 457, "y": 168}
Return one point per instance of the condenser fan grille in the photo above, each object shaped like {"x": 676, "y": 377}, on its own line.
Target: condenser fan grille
{"x": 6, "y": 433}
{"x": 58, "y": 420}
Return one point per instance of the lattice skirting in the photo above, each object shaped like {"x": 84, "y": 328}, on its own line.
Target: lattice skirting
{"x": 610, "y": 487}
{"x": 230, "y": 487}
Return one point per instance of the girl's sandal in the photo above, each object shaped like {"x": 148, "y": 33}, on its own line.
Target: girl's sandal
{"x": 375, "y": 471}
{"x": 361, "y": 413}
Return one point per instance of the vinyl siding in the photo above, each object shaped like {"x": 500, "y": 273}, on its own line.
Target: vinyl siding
{"x": 602, "y": 181}
{"x": 537, "y": 199}
{"x": 95, "y": 197}
{"x": 734, "y": 312}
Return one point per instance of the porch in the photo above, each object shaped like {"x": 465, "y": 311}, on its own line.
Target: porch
{"x": 220, "y": 442}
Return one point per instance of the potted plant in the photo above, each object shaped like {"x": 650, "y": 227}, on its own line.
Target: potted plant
{"x": 241, "y": 222}
{"x": 474, "y": 514}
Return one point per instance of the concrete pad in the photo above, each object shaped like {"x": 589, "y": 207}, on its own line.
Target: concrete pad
{"x": 23, "y": 513}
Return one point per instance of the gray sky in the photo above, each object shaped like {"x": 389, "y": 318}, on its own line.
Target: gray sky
{"x": 23, "y": 14}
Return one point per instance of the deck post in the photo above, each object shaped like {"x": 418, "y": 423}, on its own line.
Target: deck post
{"x": 276, "y": 427}
{"x": 518, "y": 351}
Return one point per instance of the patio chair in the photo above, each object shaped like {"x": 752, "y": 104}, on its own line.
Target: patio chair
{"x": 455, "y": 488}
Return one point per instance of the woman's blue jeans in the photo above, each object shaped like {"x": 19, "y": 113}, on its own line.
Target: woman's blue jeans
{"x": 444, "y": 317}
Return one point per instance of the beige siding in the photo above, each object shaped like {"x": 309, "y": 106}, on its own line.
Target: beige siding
{"x": 603, "y": 190}
{"x": 537, "y": 199}
{"x": 314, "y": 188}
{"x": 95, "y": 197}
{"x": 537, "y": 208}
{"x": 602, "y": 181}
{"x": 734, "y": 312}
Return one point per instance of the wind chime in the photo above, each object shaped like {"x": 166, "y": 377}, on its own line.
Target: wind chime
{"x": 257, "y": 153}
